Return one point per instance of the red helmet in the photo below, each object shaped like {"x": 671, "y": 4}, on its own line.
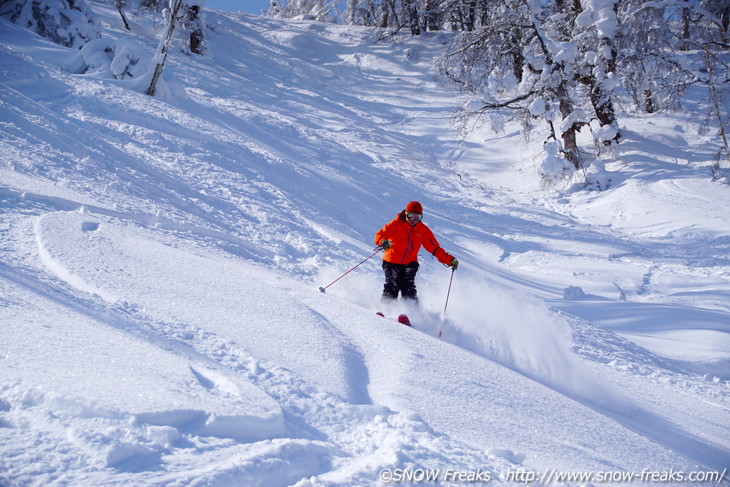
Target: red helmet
{"x": 414, "y": 207}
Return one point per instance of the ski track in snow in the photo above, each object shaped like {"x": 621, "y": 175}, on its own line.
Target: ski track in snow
{"x": 161, "y": 257}
{"x": 341, "y": 430}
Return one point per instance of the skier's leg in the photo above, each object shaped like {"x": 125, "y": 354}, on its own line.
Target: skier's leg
{"x": 407, "y": 281}
{"x": 390, "y": 288}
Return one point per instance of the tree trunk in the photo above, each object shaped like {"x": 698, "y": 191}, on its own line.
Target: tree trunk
{"x": 649, "y": 106}
{"x": 570, "y": 142}
{"x": 413, "y": 23}
{"x": 471, "y": 9}
{"x": 351, "y": 12}
{"x": 686, "y": 21}
{"x": 164, "y": 45}
{"x": 518, "y": 58}
{"x": 430, "y": 20}
{"x": 124, "y": 17}
{"x": 383, "y": 17}
{"x": 196, "y": 29}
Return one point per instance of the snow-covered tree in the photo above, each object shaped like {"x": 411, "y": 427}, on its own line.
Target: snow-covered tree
{"x": 523, "y": 60}
{"x": 66, "y": 22}
{"x": 193, "y": 26}
{"x": 566, "y": 61}
{"x": 595, "y": 29}
{"x": 320, "y": 10}
{"x": 414, "y": 15}
{"x": 274, "y": 8}
{"x": 675, "y": 46}
{"x": 360, "y": 12}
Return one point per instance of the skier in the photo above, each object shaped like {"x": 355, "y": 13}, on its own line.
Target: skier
{"x": 402, "y": 239}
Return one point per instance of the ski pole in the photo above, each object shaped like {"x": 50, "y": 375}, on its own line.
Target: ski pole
{"x": 443, "y": 316}
{"x": 449, "y": 291}
{"x": 378, "y": 249}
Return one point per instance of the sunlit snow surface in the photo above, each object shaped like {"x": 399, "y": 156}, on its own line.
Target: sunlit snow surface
{"x": 160, "y": 260}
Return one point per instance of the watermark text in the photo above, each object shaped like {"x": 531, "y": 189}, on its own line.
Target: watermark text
{"x": 548, "y": 476}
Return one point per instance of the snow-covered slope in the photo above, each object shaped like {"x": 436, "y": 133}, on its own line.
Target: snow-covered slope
{"x": 161, "y": 258}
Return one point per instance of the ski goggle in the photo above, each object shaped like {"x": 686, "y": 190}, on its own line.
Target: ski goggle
{"x": 414, "y": 217}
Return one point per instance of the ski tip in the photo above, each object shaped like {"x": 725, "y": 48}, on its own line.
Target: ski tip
{"x": 379, "y": 313}
{"x": 404, "y": 320}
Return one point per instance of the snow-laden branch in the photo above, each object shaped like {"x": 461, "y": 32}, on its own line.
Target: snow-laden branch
{"x": 662, "y": 4}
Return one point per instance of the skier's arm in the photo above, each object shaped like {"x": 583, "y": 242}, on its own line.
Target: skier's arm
{"x": 383, "y": 234}
{"x": 431, "y": 245}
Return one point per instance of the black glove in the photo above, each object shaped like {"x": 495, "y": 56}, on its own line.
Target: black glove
{"x": 454, "y": 263}
{"x": 385, "y": 244}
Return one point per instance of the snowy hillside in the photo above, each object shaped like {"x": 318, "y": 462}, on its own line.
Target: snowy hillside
{"x": 160, "y": 259}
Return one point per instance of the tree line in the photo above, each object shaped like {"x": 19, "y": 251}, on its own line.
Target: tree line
{"x": 567, "y": 63}
{"x": 564, "y": 65}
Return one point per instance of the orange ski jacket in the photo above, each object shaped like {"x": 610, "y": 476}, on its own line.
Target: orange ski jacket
{"x": 406, "y": 241}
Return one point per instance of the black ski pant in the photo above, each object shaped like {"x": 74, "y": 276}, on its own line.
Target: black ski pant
{"x": 400, "y": 277}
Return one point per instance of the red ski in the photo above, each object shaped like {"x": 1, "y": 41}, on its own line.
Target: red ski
{"x": 402, "y": 319}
